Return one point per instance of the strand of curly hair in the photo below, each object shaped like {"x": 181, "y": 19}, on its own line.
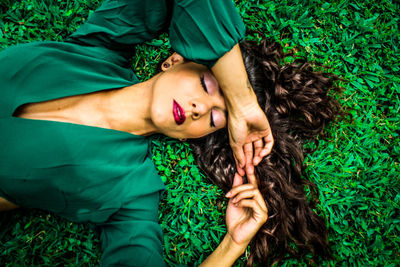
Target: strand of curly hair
{"x": 298, "y": 105}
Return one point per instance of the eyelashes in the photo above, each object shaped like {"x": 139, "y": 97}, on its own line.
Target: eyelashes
{"x": 212, "y": 124}
{"x": 203, "y": 84}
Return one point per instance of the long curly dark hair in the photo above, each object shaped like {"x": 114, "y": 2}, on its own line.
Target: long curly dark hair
{"x": 296, "y": 101}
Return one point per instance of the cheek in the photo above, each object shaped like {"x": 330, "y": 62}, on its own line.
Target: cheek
{"x": 199, "y": 129}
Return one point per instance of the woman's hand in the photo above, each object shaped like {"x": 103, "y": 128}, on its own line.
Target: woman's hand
{"x": 247, "y": 124}
{"x": 245, "y": 214}
{"x": 246, "y": 211}
{"x": 250, "y": 136}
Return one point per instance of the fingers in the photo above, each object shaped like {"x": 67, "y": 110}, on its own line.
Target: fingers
{"x": 251, "y": 177}
{"x": 247, "y": 195}
{"x": 239, "y": 155}
{"x": 258, "y": 212}
{"x": 239, "y": 188}
{"x": 248, "y": 152}
{"x": 237, "y": 180}
{"x": 262, "y": 147}
{"x": 235, "y": 190}
{"x": 239, "y": 169}
{"x": 269, "y": 143}
{"x": 248, "y": 157}
{"x": 246, "y": 191}
{"x": 258, "y": 146}
{"x": 251, "y": 186}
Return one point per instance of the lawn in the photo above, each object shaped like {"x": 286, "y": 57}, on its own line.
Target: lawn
{"x": 355, "y": 166}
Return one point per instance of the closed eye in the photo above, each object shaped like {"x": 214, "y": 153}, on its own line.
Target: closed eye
{"x": 203, "y": 84}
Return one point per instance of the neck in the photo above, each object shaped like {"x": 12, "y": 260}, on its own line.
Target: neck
{"x": 129, "y": 109}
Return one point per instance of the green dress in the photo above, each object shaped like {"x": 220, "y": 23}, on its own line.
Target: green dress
{"x": 89, "y": 174}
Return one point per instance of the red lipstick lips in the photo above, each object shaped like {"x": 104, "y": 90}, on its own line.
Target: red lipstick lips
{"x": 179, "y": 113}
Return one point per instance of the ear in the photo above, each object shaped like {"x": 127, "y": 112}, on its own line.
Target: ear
{"x": 173, "y": 60}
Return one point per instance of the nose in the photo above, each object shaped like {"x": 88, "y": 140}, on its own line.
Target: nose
{"x": 198, "y": 109}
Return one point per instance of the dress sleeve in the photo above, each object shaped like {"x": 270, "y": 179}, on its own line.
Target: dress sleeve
{"x": 204, "y": 30}
{"x": 200, "y": 30}
{"x": 133, "y": 237}
{"x": 120, "y": 24}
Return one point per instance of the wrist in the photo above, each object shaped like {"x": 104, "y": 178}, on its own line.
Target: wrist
{"x": 232, "y": 77}
{"x": 243, "y": 109}
{"x": 240, "y": 100}
{"x": 225, "y": 254}
{"x": 232, "y": 247}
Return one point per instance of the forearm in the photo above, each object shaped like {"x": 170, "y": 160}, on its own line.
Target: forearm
{"x": 232, "y": 78}
{"x": 225, "y": 254}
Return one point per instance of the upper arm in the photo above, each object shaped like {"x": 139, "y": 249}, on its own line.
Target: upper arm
{"x": 132, "y": 236}
{"x": 204, "y": 30}
{"x": 200, "y": 30}
{"x": 132, "y": 243}
{"x": 120, "y": 24}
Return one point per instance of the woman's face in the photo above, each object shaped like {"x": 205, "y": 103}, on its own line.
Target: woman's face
{"x": 187, "y": 101}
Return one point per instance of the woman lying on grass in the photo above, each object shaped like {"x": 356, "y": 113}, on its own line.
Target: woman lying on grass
{"x": 75, "y": 123}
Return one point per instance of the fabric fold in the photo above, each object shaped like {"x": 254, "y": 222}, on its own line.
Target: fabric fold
{"x": 204, "y": 30}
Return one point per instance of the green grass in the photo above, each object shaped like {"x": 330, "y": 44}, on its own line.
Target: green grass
{"x": 356, "y": 166}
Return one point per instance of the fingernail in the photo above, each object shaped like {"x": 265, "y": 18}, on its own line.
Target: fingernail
{"x": 228, "y": 194}
{"x": 166, "y": 65}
